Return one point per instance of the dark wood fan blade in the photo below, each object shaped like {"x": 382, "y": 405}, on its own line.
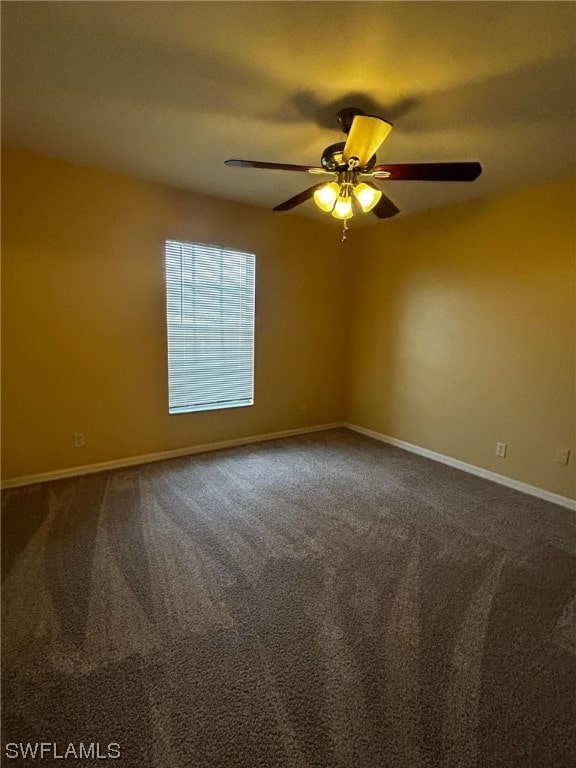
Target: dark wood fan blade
{"x": 301, "y": 197}
{"x": 270, "y": 166}
{"x": 385, "y": 208}
{"x": 428, "y": 171}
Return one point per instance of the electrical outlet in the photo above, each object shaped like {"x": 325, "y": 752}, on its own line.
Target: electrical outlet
{"x": 562, "y": 456}
{"x": 79, "y": 441}
{"x": 501, "y": 450}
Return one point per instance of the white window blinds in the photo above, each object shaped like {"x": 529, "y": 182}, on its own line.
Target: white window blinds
{"x": 210, "y": 317}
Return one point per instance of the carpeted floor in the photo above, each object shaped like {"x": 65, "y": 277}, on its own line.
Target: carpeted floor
{"x": 318, "y": 601}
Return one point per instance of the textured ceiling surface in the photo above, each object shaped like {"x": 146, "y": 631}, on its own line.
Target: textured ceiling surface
{"x": 168, "y": 90}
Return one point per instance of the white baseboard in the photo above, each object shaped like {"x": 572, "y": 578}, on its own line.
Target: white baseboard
{"x": 131, "y": 461}
{"x": 472, "y": 469}
{"x": 147, "y": 458}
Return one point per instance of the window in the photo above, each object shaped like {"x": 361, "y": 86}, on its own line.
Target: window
{"x": 210, "y": 318}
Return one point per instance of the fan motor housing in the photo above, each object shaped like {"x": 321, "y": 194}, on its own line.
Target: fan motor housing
{"x": 333, "y": 161}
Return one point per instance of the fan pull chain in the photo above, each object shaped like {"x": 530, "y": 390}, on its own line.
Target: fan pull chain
{"x": 344, "y": 230}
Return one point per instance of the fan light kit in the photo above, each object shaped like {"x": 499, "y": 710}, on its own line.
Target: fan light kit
{"x": 353, "y": 164}
{"x": 336, "y": 197}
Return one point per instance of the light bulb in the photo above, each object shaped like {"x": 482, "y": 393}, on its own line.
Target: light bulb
{"x": 326, "y": 196}
{"x": 367, "y": 195}
{"x": 343, "y": 208}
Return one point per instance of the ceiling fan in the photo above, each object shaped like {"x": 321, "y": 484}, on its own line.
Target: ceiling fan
{"x": 353, "y": 165}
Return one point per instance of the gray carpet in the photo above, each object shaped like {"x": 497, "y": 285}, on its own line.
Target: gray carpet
{"x": 319, "y": 601}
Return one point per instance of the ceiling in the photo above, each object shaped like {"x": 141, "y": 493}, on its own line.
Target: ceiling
{"x": 168, "y": 90}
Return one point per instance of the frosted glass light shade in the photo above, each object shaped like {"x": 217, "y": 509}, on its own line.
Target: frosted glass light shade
{"x": 343, "y": 208}
{"x": 367, "y": 195}
{"x": 326, "y": 196}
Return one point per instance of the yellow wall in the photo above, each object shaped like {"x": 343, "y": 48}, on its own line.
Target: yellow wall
{"x": 83, "y": 344}
{"x": 451, "y": 329}
{"x": 464, "y": 333}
